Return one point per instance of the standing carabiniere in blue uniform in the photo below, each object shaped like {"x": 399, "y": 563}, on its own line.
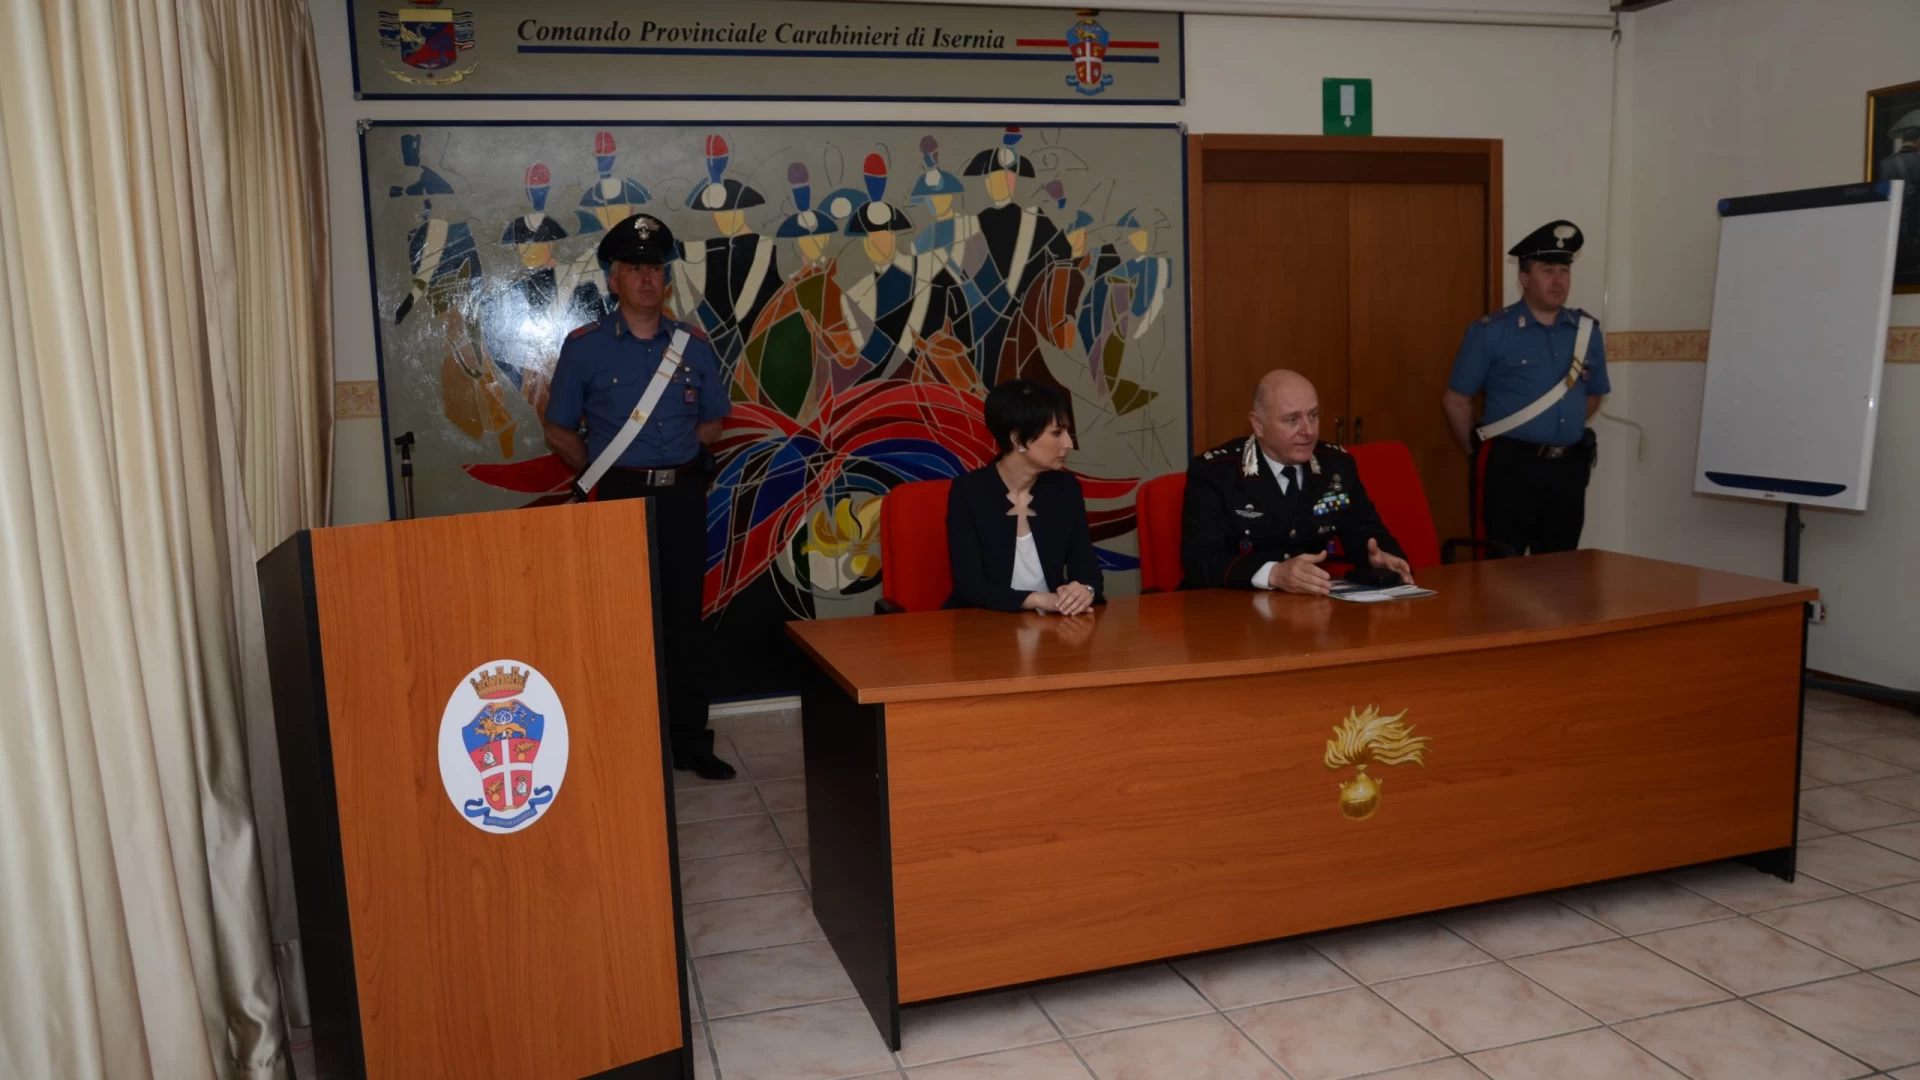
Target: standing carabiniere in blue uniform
{"x": 1543, "y": 366}
{"x": 635, "y": 396}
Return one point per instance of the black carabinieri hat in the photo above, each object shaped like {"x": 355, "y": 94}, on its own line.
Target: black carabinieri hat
{"x": 639, "y": 238}
{"x": 1554, "y": 242}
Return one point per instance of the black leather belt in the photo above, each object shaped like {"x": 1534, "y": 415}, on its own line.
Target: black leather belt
{"x": 1545, "y": 453}
{"x": 678, "y": 474}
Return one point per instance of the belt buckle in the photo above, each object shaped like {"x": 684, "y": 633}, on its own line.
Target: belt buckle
{"x": 1553, "y": 453}
{"x": 663, "y": 477}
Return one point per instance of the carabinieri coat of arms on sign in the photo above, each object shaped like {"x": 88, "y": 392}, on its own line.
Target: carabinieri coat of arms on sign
{"x": 503, "y": 746}
{"x": 429, "y": 39}
{"x": 1087, "y": 40}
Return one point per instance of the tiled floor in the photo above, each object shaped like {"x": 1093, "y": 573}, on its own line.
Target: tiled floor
{"x": 1708, "y": 973}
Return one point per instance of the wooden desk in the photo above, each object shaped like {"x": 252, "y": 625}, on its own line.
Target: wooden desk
{"x": 996, "y": 799}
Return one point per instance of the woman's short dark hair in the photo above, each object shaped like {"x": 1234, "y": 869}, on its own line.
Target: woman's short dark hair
{"x": 1020, "y": 410}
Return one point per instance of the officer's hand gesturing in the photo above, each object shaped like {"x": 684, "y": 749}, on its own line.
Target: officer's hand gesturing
{"x": 1301, "y": 574}
{"x": 1387, "y": 560}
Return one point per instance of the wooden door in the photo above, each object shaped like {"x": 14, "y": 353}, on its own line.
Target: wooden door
{"x": 1277, "y": 280}
{"x": 1416, "y": 279}
{"x": 1357, "y": 261}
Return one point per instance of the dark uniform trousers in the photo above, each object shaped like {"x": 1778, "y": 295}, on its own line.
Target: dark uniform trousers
{"x": 1534, "y": 504}
{"x": 680, "y": 521}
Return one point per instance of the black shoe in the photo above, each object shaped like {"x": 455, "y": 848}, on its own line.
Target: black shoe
{"x": 704, "y": 764}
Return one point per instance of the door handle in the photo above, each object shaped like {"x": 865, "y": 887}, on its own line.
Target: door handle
{"x": 1357, "y": 437}
{"x": 1339, "y": 431}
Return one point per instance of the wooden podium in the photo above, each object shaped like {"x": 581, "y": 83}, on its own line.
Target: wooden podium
{"x": 478, "y": 797}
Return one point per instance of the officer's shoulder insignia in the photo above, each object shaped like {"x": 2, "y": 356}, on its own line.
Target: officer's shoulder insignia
{"x": 577, "y": 331}
{"x": 1490, "y": 318}
{"x": 1335, "y": 447}
{"x": 698, "y": 333}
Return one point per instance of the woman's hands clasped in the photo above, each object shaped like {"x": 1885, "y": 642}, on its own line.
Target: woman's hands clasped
{"x": 1072, "y": 598}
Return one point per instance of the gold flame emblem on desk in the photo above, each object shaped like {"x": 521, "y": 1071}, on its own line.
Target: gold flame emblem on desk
{"x": 1367, "y": 738}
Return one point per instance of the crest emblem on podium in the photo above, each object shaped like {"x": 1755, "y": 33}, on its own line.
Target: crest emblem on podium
{"x": 503, "y": 746}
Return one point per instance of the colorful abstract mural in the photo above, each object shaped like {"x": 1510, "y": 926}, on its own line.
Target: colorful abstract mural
{"x": 863, "y": 285}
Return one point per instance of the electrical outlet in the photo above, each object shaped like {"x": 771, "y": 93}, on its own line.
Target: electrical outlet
{"x": 1817, "y": 613}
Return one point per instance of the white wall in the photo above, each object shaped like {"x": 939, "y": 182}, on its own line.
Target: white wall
{"x": 1544, "y": 91}
{"x": 1731, "y": 97}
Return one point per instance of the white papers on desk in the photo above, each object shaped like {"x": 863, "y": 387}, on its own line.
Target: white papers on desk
{"x": 1361, "y": 594}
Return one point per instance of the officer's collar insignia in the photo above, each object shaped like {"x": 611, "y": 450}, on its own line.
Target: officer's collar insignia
{"x": 1314, "y": 461}
{"x": 1523, "y": 322}
{"x": 1250, "y": 458}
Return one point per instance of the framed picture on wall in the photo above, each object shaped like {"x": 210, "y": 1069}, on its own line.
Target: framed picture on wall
{"x": 1893, "y": 153}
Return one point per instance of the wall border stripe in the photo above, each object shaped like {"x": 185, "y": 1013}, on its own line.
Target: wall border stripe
{"x": 1690, "y": 346}
{"x": 359, "y": 399}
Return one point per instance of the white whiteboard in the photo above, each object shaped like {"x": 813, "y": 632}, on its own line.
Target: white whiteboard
{"x": 1799, "y": 337}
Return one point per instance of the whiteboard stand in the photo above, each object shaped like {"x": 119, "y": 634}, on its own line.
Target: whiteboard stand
{"x": 1790, "y": 572}
{"x": 1810, "y": 364}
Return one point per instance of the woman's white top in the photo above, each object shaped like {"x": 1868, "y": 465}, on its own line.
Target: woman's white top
{"x": 1027, "y": 575}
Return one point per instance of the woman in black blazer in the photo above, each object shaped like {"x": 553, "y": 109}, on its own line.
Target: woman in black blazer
{"x": 1017, "y": 529}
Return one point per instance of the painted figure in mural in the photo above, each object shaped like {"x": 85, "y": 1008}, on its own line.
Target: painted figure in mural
{"x": 944, "y": 323}
{"x": 446, "y": 275}
{"x": 729, "y": 278}
{"x": 1046, "y": 313}
{"x": 880, "y": 305}
{"x": 837, "y": 395}
{"x": 1129, "y": 286}
{"x": 801, "y": 337}
{"x": 1015, "y": 246}
{"x": 439, "y": 264}
{"x": 428, "y": 182}
{"x": 525, "y": 318}
{"x": 605, "y": 202}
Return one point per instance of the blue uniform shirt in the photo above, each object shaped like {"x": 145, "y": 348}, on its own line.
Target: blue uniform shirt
{"x": 604, "y": 368}
{"x": 1515, "y": 359}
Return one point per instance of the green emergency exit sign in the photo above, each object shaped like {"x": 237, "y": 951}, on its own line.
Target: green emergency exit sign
{"x": 1346, "y": 106}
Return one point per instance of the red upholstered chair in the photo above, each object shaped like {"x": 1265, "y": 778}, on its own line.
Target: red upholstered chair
{"x": 1393, "y": 483}
{"x": 915, "y": 574}
{"x": 1394, "y": 486}
{"x": 1156, "y": 510}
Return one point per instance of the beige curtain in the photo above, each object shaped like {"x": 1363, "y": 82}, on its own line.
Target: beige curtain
{"x": 162, "y": 417}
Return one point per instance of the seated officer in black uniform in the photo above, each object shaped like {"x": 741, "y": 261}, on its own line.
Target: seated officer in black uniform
{"x": 603, "y": 370}
{"x": 1261, "y": 510}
